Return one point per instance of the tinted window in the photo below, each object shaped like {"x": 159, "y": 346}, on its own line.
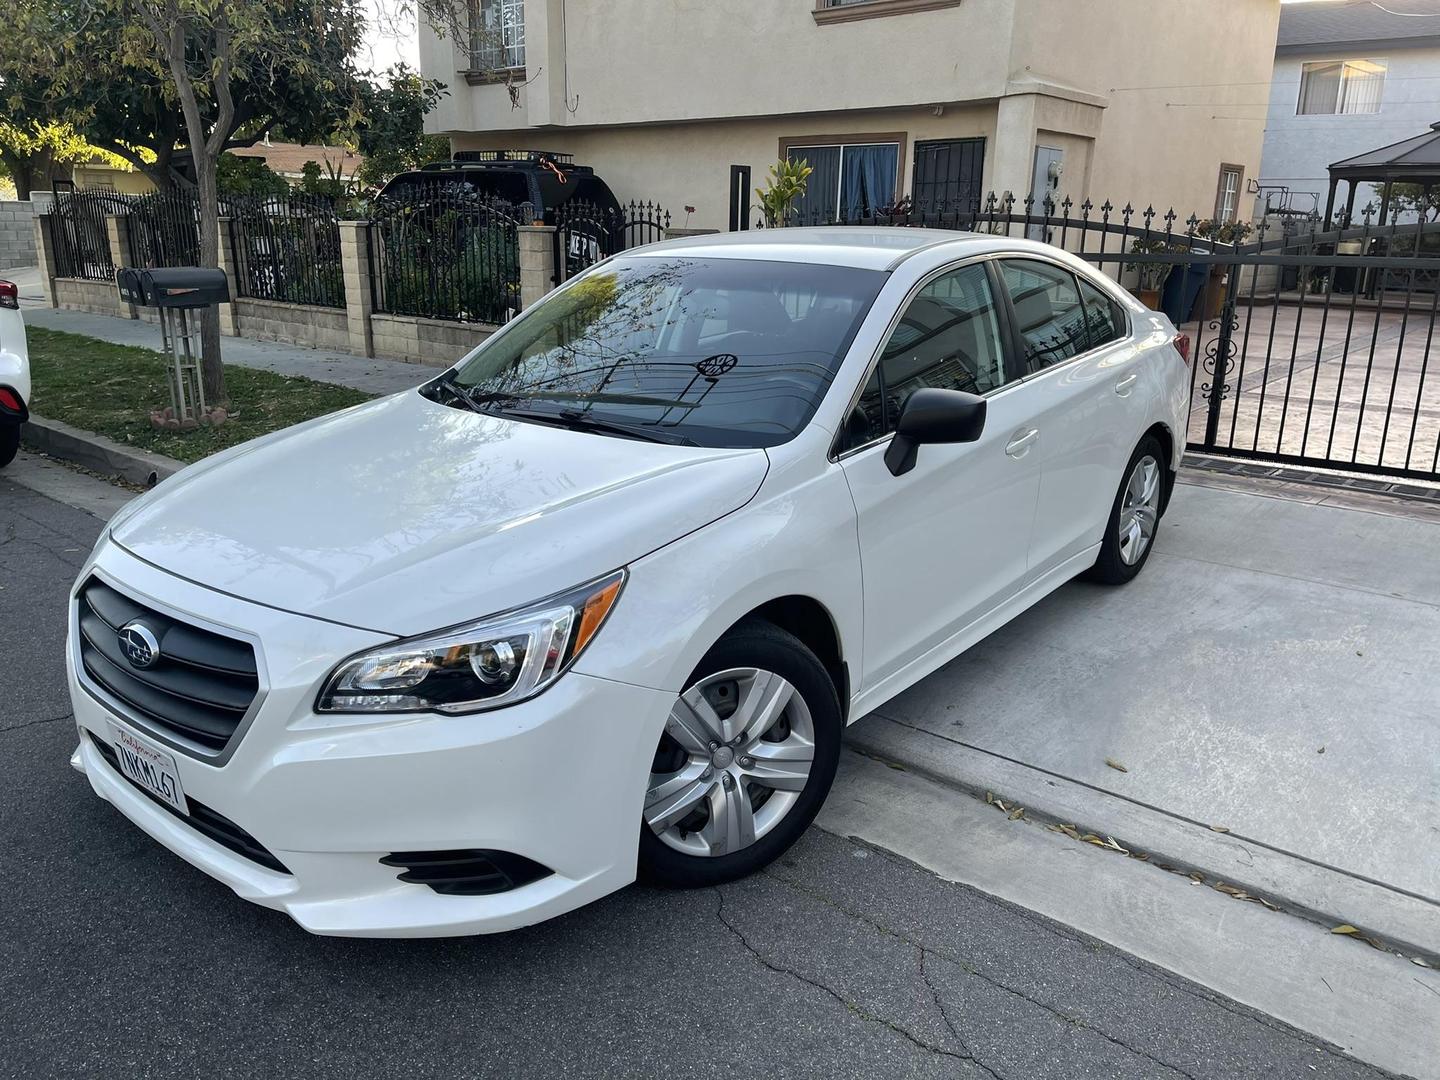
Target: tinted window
{"x": 949, "y": 337}
{"x": 1048, "y": 312}
{"x": 721, "y": 352}
{"x": 1103, "y": 318}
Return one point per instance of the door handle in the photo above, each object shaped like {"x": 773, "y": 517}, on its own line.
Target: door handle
{"x": 1017, "y": 446}
{"x": 1123, "y": 386}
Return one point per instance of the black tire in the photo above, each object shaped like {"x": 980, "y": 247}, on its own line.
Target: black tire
{"x": 1111, "y": 568}
{"x": 9, "y": 443}
{"x": 761, "y": 645}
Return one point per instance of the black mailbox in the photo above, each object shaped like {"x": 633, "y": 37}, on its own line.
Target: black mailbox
{"x": 173, "y": 287}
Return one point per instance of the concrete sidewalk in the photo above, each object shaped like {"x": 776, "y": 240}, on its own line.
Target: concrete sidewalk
{"x": 1271, "y": 675}
{"x": 357, "y": 372}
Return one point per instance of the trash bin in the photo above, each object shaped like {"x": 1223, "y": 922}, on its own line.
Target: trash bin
{"x": 1181, "y": 288}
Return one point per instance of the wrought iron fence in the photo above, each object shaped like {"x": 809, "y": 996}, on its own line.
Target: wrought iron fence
{"x": 1312, "y": 344}
{"x": 586, "y": 233}
{"x": 82, "y": 243}
{"x": 164, "y": 228}
{"x": 287, "y": 247}
{"x": 442, "y": 252}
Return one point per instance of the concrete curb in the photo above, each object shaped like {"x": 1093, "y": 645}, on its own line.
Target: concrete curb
{"x": 1296, "y": 885}
{"x": 97, "y": 453}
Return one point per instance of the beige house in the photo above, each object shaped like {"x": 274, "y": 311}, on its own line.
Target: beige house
{"x": 940, "y": 100}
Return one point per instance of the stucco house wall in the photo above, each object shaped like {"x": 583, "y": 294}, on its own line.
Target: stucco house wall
{"x": 1298, "y": 149}
{"x": 662, "y": 99}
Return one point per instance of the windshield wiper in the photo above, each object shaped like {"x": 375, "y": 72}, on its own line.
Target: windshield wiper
{"x": 464, "y": 394}
{"x": 578, "y": 420}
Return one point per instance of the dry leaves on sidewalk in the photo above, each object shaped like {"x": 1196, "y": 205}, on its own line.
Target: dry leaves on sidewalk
{"x": 1116, "y": 765}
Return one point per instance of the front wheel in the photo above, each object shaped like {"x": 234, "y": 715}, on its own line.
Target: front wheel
{"x": 9, "y": 443}
{"x": 747, "y": 758}
{"x": 1134, "y": 516}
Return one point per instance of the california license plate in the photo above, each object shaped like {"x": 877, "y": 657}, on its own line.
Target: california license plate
{"x": 150, "y": 767}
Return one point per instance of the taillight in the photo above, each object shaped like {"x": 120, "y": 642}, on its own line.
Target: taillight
{"x": 9, "y": 295}
{"x": 1182, "y": 346}
{"x": 10, "y": 400}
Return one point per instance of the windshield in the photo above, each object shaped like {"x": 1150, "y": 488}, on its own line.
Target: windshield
{"x": 713, "y": 352}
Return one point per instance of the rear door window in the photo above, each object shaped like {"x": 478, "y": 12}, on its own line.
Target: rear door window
{"x": 1048, "y": 313}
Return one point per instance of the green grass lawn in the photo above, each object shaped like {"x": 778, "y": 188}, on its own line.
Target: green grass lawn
{"x": 111, "y": 389}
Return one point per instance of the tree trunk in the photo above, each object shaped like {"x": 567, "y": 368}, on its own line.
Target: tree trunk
{"x": 211, "y": 371}
{"x": 21, "y": 176}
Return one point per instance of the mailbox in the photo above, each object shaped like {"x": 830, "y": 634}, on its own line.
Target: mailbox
{"x": 173, "y": 287}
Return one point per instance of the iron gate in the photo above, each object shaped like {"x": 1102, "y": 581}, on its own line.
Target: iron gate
{"x": 586, "y": 233}
{"x": 82, "y": 244}
{"x": 1309, "y": 346}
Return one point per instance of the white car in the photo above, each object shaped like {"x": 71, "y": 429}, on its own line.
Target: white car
{"x": 602, "y": 597}
{"x": 14, "y": 373}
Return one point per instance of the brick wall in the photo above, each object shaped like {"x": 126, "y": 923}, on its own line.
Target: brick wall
{"x": 82, "y": 294}
{"x": 425, "y": 341}
{"x": 17, "y": 234}
{"x": 294, "y": 324}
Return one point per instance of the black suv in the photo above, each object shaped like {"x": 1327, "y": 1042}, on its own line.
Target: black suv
{"x": 541, "y": 178}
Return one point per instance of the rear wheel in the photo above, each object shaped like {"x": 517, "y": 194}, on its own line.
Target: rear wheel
{"x": 747, "y": 758}
{"x": 1134, "y": 516}
{"x": 9, "y": 443}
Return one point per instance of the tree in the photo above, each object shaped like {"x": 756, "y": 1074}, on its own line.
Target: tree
{"x": 91, "y": 64}
{"x": 236, "y": 175}
{"x": 34, "y": 152}
{"x": 390, "y": 127}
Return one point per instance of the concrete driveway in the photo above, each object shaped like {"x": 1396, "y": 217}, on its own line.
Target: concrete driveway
{"x": 1272, "y": 675}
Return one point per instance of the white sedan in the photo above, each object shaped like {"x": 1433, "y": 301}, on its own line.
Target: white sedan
{"x": 602, "y": 598}
{"x": 14, "y": 372}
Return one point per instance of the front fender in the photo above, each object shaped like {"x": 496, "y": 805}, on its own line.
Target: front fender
{"x": 800, "y": 540}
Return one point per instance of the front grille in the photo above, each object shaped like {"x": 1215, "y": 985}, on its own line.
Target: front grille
{"x": 201, "y": 684}
{"x": 467, "y": 872}
{"x": 202, "y": 819}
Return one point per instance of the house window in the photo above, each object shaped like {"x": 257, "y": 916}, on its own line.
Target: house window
{"x": 1332, "y": 87}
{"x": 1227, "y": 192}
{"x": 497, "y": 34}
{"x": 852, "y": 177}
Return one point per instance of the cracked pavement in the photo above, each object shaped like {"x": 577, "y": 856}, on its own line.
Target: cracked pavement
{"x": 842, "y": 960}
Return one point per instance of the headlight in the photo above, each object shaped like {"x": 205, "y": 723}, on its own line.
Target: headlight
{"x": 482, "y": 665}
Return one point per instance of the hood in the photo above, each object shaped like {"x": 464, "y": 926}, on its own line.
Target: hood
{"x": 404, "y": 515}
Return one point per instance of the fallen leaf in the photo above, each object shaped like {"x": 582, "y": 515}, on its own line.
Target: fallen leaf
{"x": 1219, "y": 828}
{"x": 1018, "y": 812}
{"x": 1116, "y": 765}
{"x": 1344, "y": 928}
{"x": 1321, "y": 750}
{"x": 1420, "y": 962}
{"x": 989, "y": 797}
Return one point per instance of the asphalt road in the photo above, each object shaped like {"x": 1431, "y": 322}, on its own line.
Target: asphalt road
{"x": 119, "y": 960}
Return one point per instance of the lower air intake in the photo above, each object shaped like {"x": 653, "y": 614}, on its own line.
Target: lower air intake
{"x": 467, "y": 872}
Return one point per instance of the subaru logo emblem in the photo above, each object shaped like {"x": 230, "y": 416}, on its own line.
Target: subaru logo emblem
{"x": 139, "y": 644}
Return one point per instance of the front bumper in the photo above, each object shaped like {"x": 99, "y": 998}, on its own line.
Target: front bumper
{"x": 559, "y": 779}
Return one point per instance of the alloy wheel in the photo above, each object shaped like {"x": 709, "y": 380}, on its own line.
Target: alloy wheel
{"x": 736, "y": 754}
{"x": 1139, "y": 510}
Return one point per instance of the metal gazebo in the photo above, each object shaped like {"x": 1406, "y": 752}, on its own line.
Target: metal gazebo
{"x": 1411, "y": 161}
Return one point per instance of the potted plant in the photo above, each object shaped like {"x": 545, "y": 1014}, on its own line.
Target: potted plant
{"x": 1152, "y": 274}
{"x": 785, "y": 184}
{"x": 1229, "y": 233}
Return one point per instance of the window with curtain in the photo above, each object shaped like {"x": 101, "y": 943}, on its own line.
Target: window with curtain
{"x": 1333, "y": 87}
{"x": 850, "y": 180}
{"x": 497, "y": 34}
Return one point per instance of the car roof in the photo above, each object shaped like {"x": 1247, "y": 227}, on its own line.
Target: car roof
{"x": 862, "y": 247}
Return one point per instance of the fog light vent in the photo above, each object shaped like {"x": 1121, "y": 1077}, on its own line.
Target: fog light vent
{"x": 467, "y": 872}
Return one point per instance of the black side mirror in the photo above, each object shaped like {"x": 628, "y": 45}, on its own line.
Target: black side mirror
{"x": 932, "y": 415}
